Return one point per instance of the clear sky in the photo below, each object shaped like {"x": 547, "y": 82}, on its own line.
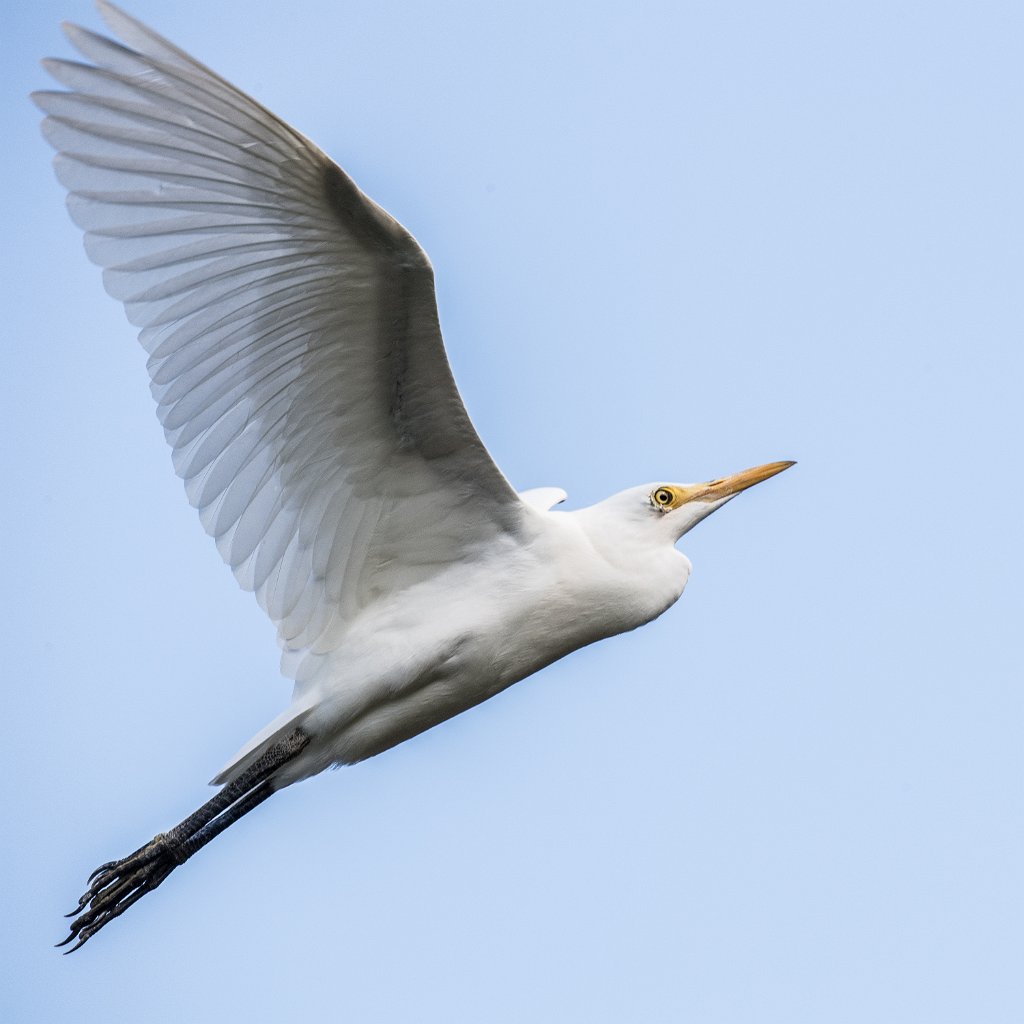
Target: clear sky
{"x": 671, "y": 241}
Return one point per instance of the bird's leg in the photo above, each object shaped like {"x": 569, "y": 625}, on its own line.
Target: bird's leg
{"x": 116, "y": 885}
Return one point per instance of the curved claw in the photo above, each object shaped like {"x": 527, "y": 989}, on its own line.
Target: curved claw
{"x": 101, "y": 869}
{"x": 113, "y": 887}
{"x": 116, "y": 886}
{"x": 151, "y": 848}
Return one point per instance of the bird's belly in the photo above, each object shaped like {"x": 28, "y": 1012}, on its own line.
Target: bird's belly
{"x": 473, "y": 664}
{"x": 432, "y": 702}
{"x": 452, "y": 648}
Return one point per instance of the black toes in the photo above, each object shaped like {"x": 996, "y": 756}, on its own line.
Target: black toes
{"x": 116, "y": 885}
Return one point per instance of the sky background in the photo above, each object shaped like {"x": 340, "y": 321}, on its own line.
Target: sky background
{"x": 671, "y": 241}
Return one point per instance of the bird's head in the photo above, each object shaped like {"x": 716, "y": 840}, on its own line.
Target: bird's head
{"x": 674, "y": 509}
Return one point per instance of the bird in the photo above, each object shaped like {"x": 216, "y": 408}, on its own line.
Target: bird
{"x": 299, "y": 372}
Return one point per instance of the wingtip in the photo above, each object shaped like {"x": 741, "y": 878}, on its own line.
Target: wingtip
{"x": 74, "y": 32}
{"x": 41, "y": 98}
{"x": 120, "y": 22}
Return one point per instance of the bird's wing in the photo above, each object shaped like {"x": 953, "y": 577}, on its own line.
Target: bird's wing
{"x": 295, "y": 352}
{"x": 543, "y": 498}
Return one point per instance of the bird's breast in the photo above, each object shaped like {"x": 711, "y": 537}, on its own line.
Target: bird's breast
{"x": 449, "y": 644}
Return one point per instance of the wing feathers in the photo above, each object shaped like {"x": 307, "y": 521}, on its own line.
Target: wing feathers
{"x": 295, "y": 355}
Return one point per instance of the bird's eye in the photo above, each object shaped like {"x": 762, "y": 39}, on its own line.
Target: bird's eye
{"x": 662, "y": 497}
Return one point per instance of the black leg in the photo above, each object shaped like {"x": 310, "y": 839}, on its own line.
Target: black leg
{"x": 116, "y": 885}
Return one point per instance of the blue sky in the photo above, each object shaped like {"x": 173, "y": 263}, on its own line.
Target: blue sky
{"x": 671, "y": 241}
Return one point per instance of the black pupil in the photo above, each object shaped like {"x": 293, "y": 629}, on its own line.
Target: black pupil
{"x": 664, "y": 497}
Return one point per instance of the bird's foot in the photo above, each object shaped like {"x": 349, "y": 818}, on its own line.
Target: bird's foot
{"x": 116, "y": 885}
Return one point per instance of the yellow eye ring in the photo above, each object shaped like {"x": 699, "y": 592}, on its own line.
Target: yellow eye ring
{"x": 662, "y": 498}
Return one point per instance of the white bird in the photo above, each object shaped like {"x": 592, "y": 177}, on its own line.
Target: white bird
{"x": 301, "y": 381}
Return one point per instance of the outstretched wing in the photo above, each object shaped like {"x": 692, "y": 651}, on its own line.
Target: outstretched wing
{"x": 295, "y": 352}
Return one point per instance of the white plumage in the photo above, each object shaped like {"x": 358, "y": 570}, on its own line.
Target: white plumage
{"x": 295, "y": 354}
{"x": 300, "y": 377}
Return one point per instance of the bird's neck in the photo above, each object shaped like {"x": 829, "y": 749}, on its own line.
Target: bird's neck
{"x": 648, "y": 569}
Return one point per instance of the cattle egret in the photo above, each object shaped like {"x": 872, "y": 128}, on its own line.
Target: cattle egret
{"x": 301, "y": 380}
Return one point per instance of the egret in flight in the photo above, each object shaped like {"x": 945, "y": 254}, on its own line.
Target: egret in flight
{"x": 300, "y": 377}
